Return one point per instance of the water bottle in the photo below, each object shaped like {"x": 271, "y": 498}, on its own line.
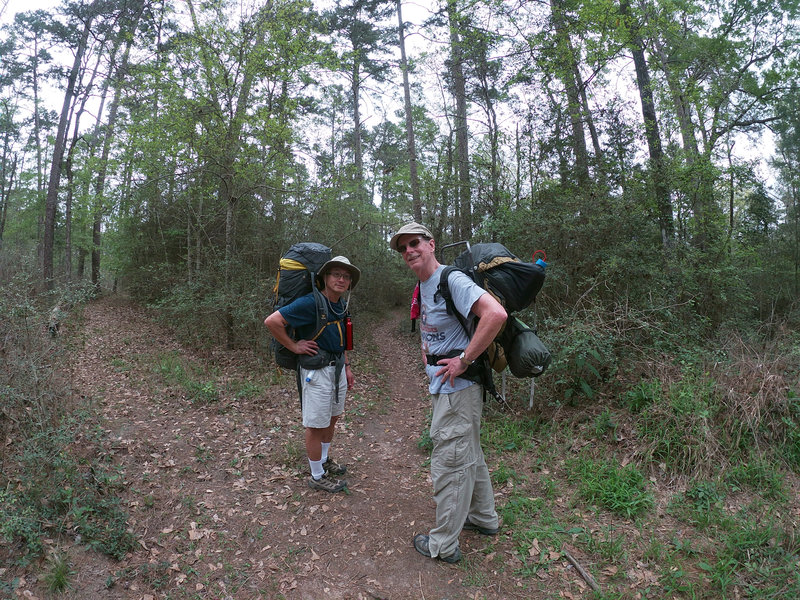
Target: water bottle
{"x": 542, "y": 260}
{"x": 348, "y": 334}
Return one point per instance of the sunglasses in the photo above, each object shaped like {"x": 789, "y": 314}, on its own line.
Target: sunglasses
{"x": 412, "y": 244}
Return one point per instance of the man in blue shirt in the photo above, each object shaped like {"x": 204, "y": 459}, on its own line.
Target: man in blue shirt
{"x": 322, "y": 358}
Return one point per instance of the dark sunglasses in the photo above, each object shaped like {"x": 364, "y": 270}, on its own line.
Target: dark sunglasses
{"x": 411, "y": 244}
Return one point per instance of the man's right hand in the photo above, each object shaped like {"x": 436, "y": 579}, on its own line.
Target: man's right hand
{"x": 309, "y": 347}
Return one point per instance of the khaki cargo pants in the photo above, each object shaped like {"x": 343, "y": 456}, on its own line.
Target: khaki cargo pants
{"x": 461, "y": 485}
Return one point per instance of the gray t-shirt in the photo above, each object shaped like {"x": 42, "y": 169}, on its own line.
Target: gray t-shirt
{"x": 441, "y": 332}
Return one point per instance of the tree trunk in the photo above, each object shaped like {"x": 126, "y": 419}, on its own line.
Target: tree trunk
{"x": 5, "y": 190}
{"x": 416, "y": 201}
{"x": 100, "y": 182}
{"x": 358, "y": 157}
{"x": 58, "y": 156}
{"x": 463, "y": 229}
{"x": 567, "y": 57}
{"x": 651, "y": 129}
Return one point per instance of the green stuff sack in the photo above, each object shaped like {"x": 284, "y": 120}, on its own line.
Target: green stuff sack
{"x": 525, "y": 353}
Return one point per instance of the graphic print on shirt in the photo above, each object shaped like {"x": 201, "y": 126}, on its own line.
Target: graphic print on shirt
{"x": 430, "y": 334}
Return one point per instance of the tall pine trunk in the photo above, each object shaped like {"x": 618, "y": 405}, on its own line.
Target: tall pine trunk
{"x": 416, "y": 201}
{"x": 463, "y": 228}
{"x": 59, "y": 148}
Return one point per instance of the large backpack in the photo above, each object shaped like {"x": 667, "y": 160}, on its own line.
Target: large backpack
{"x": 296, "y": 275}
{"x": 514, "y": 284}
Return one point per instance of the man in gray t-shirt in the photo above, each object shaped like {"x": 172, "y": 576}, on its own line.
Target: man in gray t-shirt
{"x": 462, "y": 488}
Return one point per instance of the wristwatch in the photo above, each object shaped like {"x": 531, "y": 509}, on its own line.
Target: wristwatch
{"x": 462, "y": 357}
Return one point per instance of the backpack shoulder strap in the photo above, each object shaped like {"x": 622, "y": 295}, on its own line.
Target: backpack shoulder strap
{"x": 443, "y": 291}
{"x": 323, "y": 314}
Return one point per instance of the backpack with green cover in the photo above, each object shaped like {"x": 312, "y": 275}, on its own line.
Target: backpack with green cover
{"x": 514, "y": 284}
{"x": 296, "y": 276}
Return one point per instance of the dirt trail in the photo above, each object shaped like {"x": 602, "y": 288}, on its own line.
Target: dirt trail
{"x": 217, "y": 494}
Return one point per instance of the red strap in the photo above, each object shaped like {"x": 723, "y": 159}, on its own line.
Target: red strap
{"x": 415, "y": 303}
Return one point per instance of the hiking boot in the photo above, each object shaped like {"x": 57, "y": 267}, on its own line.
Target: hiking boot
{"x": 326, "y": 484}
{"x": 333, "y": 468}
{"x": 470, "y": 526}
{"x": 421, "y": 545}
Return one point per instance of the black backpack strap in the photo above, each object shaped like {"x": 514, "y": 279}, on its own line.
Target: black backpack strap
{"x": 443, "y": 291}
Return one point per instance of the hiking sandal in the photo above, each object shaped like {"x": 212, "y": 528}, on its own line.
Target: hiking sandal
{"x": 326, "y": 484}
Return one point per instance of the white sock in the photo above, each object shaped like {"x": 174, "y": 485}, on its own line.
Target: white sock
{"x": 325, "y": 448}
{"x": 316, "y": 468}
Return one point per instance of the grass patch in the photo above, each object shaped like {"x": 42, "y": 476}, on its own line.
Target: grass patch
{"x": 58, "y": 573}
{"x": 501, "y": 433}
{"x": 199, "y": 386}
{"x": 622, "y": 490}
{"x": 56, "y": 491}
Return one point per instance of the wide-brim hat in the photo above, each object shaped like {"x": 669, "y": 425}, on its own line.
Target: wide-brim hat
{"x": 341, "y": 261}
{"x": 409, "y": 229}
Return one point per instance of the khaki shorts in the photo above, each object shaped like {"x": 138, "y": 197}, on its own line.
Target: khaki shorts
{"x": 320, "y": 403}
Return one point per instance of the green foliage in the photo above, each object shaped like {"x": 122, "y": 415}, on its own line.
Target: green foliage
{"x": 622, "y": 490}
{"x": 425, "y": 443}
{"x": 761, "y": 476}
{"x": 504, "y": 474}
{"x": 584, "y": 358}
{"x": 677, "y": 430}
{"x": 52, "y": 484}
{"x": 56, "y": 487}
{"x": 605, "y": 425}
{"x": 58, "y": 574}
{"x": 644, "y": 394}
{"x": 503, "y": 434}
{"x": 763, "y": 553}
{"x": 176, "y": 370}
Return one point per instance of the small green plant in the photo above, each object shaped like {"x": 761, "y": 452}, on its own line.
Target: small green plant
{"x": 704, "y": 495}
{"x": 643, "y": 395}
{"x": 203, "y": 454}
{"x": 425, "y": 443}
{"x": 760, "y": 475}
{"x": 120, "y": 365}
{"x": 246, "y": 390}
{"x": 59, "y": 573}
{"x": 175, "y": 371}
{"x": 295, "y": 453}
{"x": 700, "y": 505}
{"x": 503, "y": 474}
{"x": 189, "y": 503}
{"x": 202, "y": 392}
{"x": 170, "y": 366}
{"x": 622, "y": 490}
{"x": 609, "y": 543}
{"x": 501, "y": 434}
{"x": 605, "y": 425}
{"x": 549, "y": 487}
{"x": 585, "y": 373}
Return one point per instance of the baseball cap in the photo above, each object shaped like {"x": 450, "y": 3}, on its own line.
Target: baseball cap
{"x": 409, "y": 229}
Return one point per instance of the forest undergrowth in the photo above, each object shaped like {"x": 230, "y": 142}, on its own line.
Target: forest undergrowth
{"x": 656, "y": 474}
